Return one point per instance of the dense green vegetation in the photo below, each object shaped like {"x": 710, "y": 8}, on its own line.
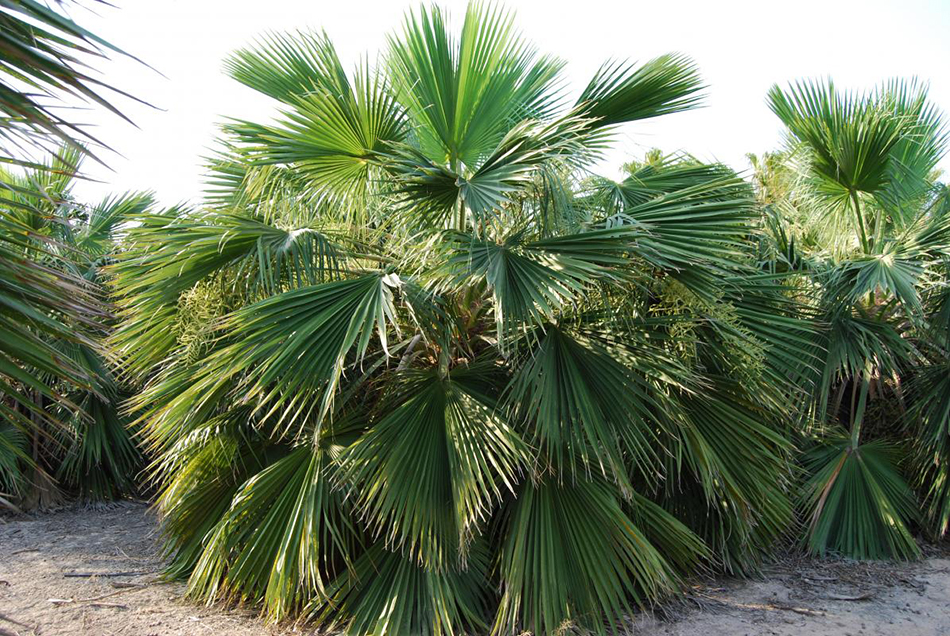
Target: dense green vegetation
{"x": 79, "y": 438}
{"x": 59, "y": 401}
{"x": 413, "y": 367}
{"x": 860, "y": 220}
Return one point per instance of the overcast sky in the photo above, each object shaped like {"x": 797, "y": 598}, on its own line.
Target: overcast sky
{"x": 742, "y": 48}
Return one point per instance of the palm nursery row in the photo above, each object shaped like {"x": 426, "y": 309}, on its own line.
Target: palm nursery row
{"x": 413, "y": 366}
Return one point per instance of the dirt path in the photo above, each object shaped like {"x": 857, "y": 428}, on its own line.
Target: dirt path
{"x": 41, "y": 594}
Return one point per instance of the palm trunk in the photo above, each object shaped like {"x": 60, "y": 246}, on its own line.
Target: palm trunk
{"x": 43, "y": 491}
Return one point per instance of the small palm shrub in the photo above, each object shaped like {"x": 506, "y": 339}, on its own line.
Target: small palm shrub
{"x": 49, "y": 311}
{"x": 414, "y": 368}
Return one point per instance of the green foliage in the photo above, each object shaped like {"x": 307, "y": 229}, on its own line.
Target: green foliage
{"x": 865, "y": 217}
{"x": 101, "y": 460}
{"x": 572, "y": 554}
{"x": 929, "y": 393}
{"x": 434, "y": 466}
{"x": 463, "y": 96}
{"x": 858, "y": 503}
{"x": 64, "y": 418}
{"x": 58, "y": 402}
{"x": 46, "y": 55}
{"x": 286, "y": 530}
{"x": 415, "y": 368}
{"x": 426, "y": 602}
{"x": 585, "y": 407}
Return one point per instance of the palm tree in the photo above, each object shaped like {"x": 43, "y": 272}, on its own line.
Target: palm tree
{"x": 41, "y": 302}
{"x": 861, "y": 219}
{"x": 414, "y": 369}
{"x": 77, "y": 436}
{"x": 98, "y": 458}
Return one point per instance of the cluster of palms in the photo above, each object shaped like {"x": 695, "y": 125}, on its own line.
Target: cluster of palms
{"x": 413, "y": 367}
{"x": 859, "y": 219}
{"x": 77, "y": 438}
{"x": 60, "y": 422}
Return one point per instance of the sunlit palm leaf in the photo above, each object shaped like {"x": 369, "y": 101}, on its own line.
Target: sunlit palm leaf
{"x": 530, "y": 280}
{"x": 432, "y": 469}
{"x": 622, "y": 92}
{"x": 334, "y": 129}
{"x": 202, "y": 472}
{"x": 46, "y": 56}
{"x": 282, "y": 536}
{"x": 288, "y": 352}
{"x": 169, "y": 253}
{"x": 851, "y": 137}
{"x": 858, "y": 503}
{"x": 463, "y": 95}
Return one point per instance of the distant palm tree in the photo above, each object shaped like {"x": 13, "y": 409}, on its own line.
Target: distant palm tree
{"x": 862, "y": 219}
{"x": 41, "y": 301}
{"x": 414, "y": 369}
{"x": 77, "y": 433}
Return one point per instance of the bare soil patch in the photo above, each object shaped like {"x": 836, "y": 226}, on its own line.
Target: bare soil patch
{"x": 88, "y": 571}
{"x": 82, "y": 571}
{"x": 831, "y": 597}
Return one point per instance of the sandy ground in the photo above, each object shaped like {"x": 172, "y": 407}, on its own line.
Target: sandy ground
{"x": 81, "y": 571}
{"x": 800, "y": 596}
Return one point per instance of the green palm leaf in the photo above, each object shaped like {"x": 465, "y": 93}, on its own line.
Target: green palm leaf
{"x": 572, "y": 555}
{"x": 858, "y": 503}
{"x": 283, "y": 534}
{"x": 531, "y": 280}
{"x": 851, "y": 137}
{"x": 388, "y": 594}
{"x": 169, "y": 253}
{"x": 621, "y": 92}
{"x": 46, "y": 54}
{"x": 463, "y": 95}
{"x": 929, "y": 394}
{"x": 39, "y": 302}
{"x": 101, "y": 459}
{"x": 334, "y": 129}
{"x": 582, "y": 405}
{"x": 739, "y": 502}
{"x": 287, "y": 352}
{"x": 200, "y": 473}
{"x": 431, "y": 470}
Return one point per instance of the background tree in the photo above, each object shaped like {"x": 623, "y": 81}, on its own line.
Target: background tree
{"x": 45, "y": 59}
{"x": 859, "y": 215}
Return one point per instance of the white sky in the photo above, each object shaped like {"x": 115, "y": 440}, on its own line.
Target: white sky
{"x": 741, "y": 47}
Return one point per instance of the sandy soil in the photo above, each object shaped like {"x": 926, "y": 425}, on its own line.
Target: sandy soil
{"x": 82, "y": 571}
{"x": 799, "y": 596}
